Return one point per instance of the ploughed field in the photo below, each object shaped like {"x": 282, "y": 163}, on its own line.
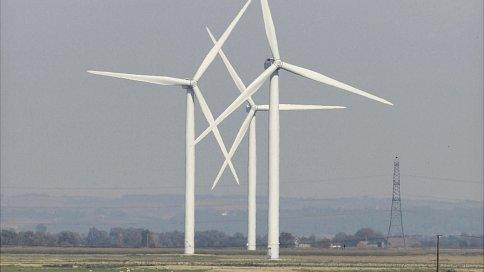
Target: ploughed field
{"x": 304, "y": 260}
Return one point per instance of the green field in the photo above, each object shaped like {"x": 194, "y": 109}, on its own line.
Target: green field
{"x": 307, "y": 260}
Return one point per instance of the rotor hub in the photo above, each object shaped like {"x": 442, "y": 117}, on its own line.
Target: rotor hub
{"x": 248, "y": 107}
{"x": 193, "y": 82}
{"x": 278, "y": 63}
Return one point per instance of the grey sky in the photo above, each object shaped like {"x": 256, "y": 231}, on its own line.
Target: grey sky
{"x": 63, "y": 128}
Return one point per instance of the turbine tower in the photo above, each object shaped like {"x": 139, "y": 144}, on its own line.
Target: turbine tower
{"x": 250, "y": 123}
{"x": 396, "y": 218}
{"x": 272, "y": 71}
{"x": 192, "y": 89}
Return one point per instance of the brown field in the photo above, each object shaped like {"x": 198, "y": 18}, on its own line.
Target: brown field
{"x": 307, "y": 260}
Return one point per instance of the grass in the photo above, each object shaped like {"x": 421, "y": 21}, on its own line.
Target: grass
{"x": 235, "y": 260}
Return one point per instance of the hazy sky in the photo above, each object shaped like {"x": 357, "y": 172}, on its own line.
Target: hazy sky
{"x": 68, "y": 132}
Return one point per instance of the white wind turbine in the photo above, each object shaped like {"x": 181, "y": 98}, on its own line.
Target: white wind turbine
{"x": 250, "y": 123}
{"x": 191, "y": 86}
{"x": 272, "y": 71}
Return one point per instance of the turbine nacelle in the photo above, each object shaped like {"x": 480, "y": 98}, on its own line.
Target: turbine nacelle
{"x": 261, "y": 107}
{"x": 270, "y": 61}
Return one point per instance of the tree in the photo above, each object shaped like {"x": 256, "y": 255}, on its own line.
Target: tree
{"x": 68, "y": 239}
{"x": 345, "y": 239}
{"x": 26, "y": 238}
{"x": 133, "y": 237}
{"x": 8, "y": 237}
{"x": 286, "y": 239}
{"x": 238, "y": 240}
{"x": 211, "y": 238}
{"x": 307, "y": 240}
{"x": 116, "y": 237}
{"x": 97, "y": 238}
{"x": 171, "y": 239}
{"x": 341, "y": 237}
{"x": 43, "y": 239}
{"x": 147, "y": 239}
{"x": 367, "y": 234}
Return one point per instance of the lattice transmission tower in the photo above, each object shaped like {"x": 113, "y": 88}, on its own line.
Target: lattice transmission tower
{"x": 395, "y": 228}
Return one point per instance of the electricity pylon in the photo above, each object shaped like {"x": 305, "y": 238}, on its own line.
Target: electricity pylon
{"x": 396, "y": 217}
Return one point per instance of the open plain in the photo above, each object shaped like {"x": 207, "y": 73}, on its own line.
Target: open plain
{"x": 304, "y": 260}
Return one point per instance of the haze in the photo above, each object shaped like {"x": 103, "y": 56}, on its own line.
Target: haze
{"x": 67, "y": 132}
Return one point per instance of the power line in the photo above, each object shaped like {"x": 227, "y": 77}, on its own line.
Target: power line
{"x": 347, "y": 179}
{"x": 426, "y": 197}
{"x": 445, "y": 179}
{"x": 176, "y": 186}
{"x": 368, "y": 211}
{"x": 222, "y": 205}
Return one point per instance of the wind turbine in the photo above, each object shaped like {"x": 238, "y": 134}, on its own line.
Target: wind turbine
{"x": 250, "y": 123}
{"x": 192, "y": 89}
{"x": 273, "y": 66}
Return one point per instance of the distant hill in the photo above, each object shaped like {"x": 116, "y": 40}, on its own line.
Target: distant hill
{"x": 298, "y": 215}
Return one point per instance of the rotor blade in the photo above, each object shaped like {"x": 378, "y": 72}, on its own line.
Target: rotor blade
{"x": 162, "y": 80}
{"x": 208, "y": 115}
{"x": 213, "y": 52}
{"x": 253, "y": 87}
{"x": 270, "y": 29}
{"x": 290, "y": 107}
{"x": 235, "y": 145}
{"x": 238, "y": 81}
{"x": 332, "y": 82}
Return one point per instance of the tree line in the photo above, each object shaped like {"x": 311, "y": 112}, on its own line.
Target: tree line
{"x": 119, "y": 237}
{"x": 139, "y": 237}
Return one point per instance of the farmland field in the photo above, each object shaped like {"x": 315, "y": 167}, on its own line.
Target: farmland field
{"x": 227, "y": 260}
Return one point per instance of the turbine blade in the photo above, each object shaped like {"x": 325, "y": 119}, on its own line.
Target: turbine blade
{"x": 219, "y": 174}
{"x": 235, "y": 145}
{"x": 290, "y": 107}
{"x": 270, "y": 29}
{"x": 208, "y": 115}
{"x": 161, "y": 80}
{"x": 235, "y": 77}
{"x": 253, "y": 87}
{"x": 330, "y": 81}
{"x": 213, "y": 52}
